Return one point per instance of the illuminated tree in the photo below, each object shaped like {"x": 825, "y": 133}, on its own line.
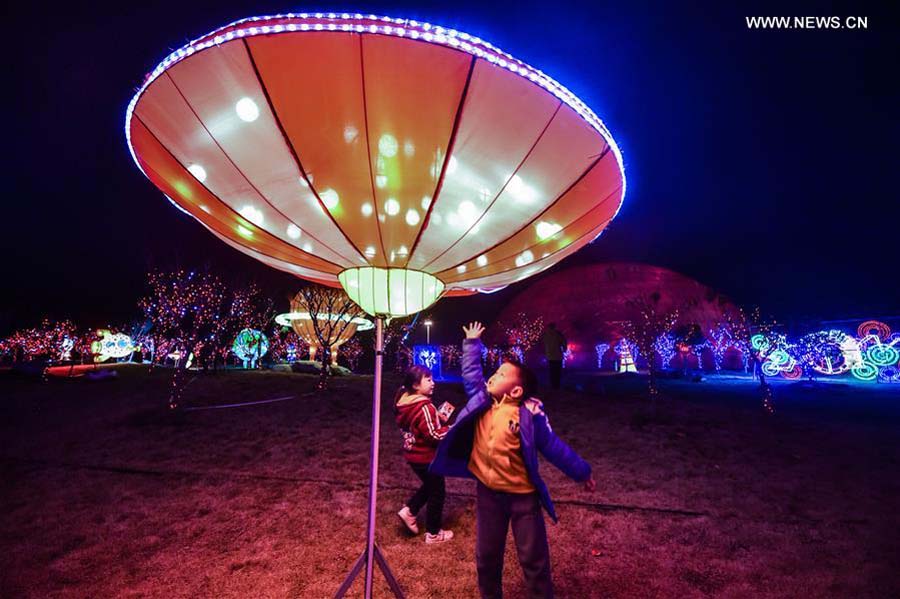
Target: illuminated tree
{"x": 600, "y": 349}
{"x": 352, "y": 351}
{"x": 48, "y": 341}
{"x": 720, "y": 339}
{"x": 450, "y": 355}
{"x": 332, "y": 312}
{"x": 190, "y": 309}
{"x": 689, "y": 339}
{"x": 652, "y": 322}
{"x": 523, "y": 333}
{"x": 396, "y": 335}
{"x": 664, "y": 346}
{"x": 755, "y": 337}
{"x": 286, "y": 345}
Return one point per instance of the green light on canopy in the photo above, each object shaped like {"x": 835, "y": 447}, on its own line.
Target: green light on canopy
{"x": 390, "y": 291}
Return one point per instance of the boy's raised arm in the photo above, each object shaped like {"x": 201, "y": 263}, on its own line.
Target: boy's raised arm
{"x": 473, "y": 377}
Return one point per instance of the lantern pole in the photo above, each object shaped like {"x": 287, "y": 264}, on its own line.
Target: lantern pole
{"x": 372, "y": 553}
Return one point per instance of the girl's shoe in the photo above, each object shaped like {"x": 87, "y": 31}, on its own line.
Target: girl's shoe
{"x": 442, "y": 536}
{"x": 409, "y": 519}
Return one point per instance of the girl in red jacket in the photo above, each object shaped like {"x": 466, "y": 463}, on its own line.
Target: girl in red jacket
{"x": 422, "y": 429}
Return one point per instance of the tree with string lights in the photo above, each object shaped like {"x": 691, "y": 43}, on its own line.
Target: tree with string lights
{"x": 450, "y": 355}
{"x": 190, "y": 309}
{"x": 285, "y": 345}
{"x": 755, "y": 337}
{"x": 352, "y": 351}
{"x": 523, "y": 333}
{"x": 48, "y": 341}
{"x": 652, "y": 322}
{"x": 331, "y": 311}
{"x": 396, "y": 336}
{"x": 720, "y": 339}
{"x": 689, "y": 339}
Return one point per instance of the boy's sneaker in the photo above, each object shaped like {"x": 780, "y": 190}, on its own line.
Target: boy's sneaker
{"x": 409, "y": 519}
{"x": 442, "y": 536}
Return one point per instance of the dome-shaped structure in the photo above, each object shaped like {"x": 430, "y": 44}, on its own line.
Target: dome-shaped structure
{"x": 589, "y": 303}
{"x": 395, "y": 158}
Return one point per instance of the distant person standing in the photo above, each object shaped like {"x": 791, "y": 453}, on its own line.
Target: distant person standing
{"x": 554, "y": 347}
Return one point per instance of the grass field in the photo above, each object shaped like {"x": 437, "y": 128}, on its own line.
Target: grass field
{"x": 106, "y": 494}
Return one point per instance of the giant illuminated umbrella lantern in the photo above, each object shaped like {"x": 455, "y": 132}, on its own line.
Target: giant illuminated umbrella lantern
{"x": 399, "y": 160}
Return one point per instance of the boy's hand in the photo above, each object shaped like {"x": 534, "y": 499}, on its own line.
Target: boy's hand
{"x": 474, "y": 330}
{"x": 590, "y": 484}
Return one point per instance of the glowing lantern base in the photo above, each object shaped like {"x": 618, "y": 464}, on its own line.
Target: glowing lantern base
{"x": 391, "y": 291}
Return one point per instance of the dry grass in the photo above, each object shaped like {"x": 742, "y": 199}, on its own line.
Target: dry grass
{"x": 105, "y": 494}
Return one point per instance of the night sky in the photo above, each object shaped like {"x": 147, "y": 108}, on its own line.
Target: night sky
{"x": 762, "y": 163}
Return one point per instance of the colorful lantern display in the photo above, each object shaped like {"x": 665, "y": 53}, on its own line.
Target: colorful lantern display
{"x": 874, "y": 355}
{"x": 429, "y": 356}
{"x": 626, "y": 351}
{"x": 111, "y": 345}
{"x": 249, "y": 346}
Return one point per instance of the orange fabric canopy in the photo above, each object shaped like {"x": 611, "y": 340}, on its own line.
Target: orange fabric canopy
{"x": 317, "y": 143}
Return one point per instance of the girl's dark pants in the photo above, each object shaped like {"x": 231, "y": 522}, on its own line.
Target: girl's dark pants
{"x": 432, "y": 492}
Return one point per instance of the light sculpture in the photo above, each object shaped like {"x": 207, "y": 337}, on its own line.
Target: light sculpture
{"x": 865, "y": 371}
{"x": 506, "y": 171}
{"x": 889, "y": 374}
{"x": 874, "y": 327}
{"x": 249, "y": 346}
{"x": 429, "y": 356}
{"x": 825, "y": 351}
{"x": 302, "y": 324}
{"x": 65, "y": 348}
{"x": 600, "y": 349}
{"x": 625, "y": 350}
{"x": 413, "y": 161}
{"x": 875, "y": 351}
{"x": 111, "y": 345}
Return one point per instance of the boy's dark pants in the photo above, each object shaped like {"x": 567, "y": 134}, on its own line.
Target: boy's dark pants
{"x": 494, "y": 511}
{"x": 433, "y": 492}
